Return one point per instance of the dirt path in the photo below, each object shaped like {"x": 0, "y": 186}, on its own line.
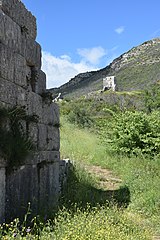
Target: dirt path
{"x": 106, "y": 180}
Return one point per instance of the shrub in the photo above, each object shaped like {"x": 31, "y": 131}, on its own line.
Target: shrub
{"x": 137, "y": 132}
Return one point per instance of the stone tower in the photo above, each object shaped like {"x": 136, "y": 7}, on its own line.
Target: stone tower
{"x": 23, "y": 84}
{"x": 109, "y": 83}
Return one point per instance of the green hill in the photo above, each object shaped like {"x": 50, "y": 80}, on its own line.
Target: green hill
{"x": 137, "y": 69}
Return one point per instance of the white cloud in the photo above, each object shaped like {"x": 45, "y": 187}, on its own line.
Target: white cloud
{"x": 92, "y": 55}
{"x": 61, "y": 69}
{"x": 119, "y": 30}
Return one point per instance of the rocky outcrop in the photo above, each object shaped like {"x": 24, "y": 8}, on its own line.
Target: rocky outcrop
{"x": 23, "y": 85}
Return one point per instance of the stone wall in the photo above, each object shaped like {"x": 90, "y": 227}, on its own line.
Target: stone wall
{"x": 23, "y": 84}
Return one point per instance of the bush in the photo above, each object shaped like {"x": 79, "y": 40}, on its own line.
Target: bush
{"x": 137, "y": 132}
{"x": 80, "y": 117}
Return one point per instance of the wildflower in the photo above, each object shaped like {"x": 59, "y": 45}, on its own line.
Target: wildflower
{"x": 14, "y": 234}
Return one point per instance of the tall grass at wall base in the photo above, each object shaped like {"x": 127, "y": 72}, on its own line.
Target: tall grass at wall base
{"x": 96, "y": 223}
{"x": 81, "y": 145}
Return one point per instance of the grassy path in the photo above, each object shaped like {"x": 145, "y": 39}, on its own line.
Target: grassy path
{"x": 106, "y": 179}
{"x": 140, "y": 175}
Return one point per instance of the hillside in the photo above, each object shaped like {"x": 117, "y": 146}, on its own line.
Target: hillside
{"x": 134, "y": 70}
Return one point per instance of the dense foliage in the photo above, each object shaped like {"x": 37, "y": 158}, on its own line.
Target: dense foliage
{"x": 124, "y": 130}
{"x": 136, "y": 132}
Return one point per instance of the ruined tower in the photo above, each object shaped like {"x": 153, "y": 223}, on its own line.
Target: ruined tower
{"x": 23, "y": 85}
{"x": 109, "y": 83}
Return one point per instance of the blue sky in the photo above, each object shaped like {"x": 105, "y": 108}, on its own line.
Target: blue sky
{"x": 83, "y": 35}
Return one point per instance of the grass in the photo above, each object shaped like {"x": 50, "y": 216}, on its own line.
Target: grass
{"x": 80, "y": 145}
{"x": 98, "y": 223}
{"x": 92, "y": 224}
{"x": 139, "y": 174}
{"x": 86, "y": 212}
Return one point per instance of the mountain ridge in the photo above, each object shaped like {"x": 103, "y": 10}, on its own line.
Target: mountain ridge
{"x": 135, "y": 69}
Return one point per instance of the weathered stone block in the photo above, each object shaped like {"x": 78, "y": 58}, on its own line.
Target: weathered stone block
{"x": 53, "y": 138}
{"x": 8, "y": 92}
{"x": 10, "y": 32}
{"x": 31, "y": 50}
{"x": 12, "y": 66}
{"x": 33, "y": 133}
{"x": 41, "y": 82}
{"x": 34, "y": 105}
{"x": 6, "y": 63}
{"x": 20, "y": 70}
{"x": 20, "y": 190}
{"x": 49, "y": 186}
{"x": 12, "y": 94}
{"x": 42, "y": 137}
{"x": 65, "y": 166}
{"x": 44, "y": 156}
{"x": 21, "y": 96}
{"x": 50, "y": 114}
{"x": 16, "y": 10}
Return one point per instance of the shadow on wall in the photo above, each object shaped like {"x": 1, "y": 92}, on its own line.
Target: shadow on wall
{"x": 79, "y": 190}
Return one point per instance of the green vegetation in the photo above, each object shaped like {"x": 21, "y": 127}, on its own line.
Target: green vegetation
{"x": 15, "y": 144}
{"x": 123, "y": 140}
{"x": 92, "y": 224}
{"x": 152, "y": 98}
{"x": 134, "y": 135}
{"x": 136, "y": 77}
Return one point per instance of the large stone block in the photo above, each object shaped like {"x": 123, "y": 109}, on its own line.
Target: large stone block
{"x": 21, "y": 189}
{"x": 34, "y": 105}
{"x": 10, "y": 32}
{"x": 20, "y": 70}
{"x": 33, "y": 133}
{"x": 49, "y": 186}
{"x": 13, "y": 66}
{"x": 41, "y": 82}
{"x": 12, "y": 94}
{"x": 6, "y": 63}
{"x": 21, "y": 96}
{"x": 36, "y": 80}
{"x": 43, "y": 156}
{"x": 8, "y": 92}
{"x": 50, "y": 114}
{"x": 16, "y": 10}
{"x": 31, "y": 50}
{"x": 53, "y": 138}
{"x": 42, "y": 137}
{"x": 48, "y": 138}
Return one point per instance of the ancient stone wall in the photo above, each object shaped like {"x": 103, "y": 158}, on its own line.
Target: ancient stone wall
{"x": 23, "y": 84}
